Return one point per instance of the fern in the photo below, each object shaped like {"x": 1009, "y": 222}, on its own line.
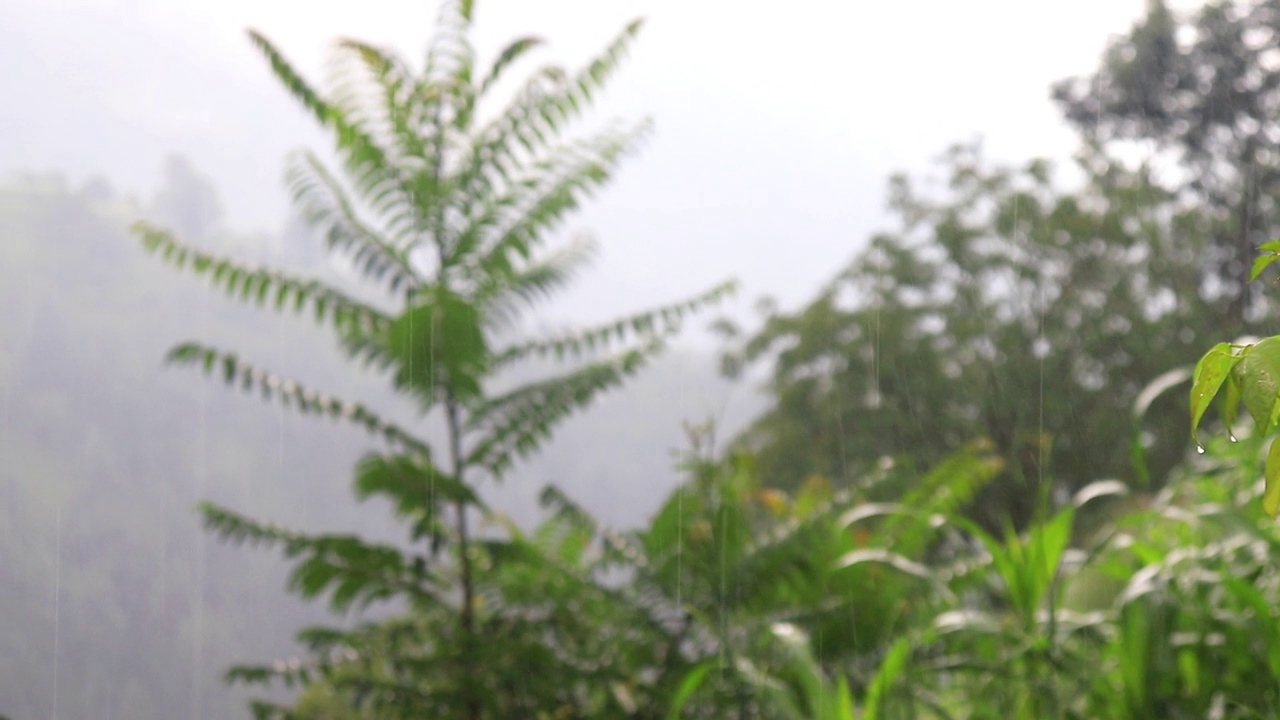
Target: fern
{"x": 325, "y": 206}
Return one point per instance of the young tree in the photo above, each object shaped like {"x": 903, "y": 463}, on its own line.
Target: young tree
{"x": 447, "y": 216}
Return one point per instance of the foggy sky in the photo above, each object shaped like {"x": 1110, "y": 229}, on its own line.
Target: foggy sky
{"x": 777, "y": 124}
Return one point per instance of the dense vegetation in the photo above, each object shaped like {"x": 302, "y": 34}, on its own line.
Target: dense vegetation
{"x": 972, "y": 495}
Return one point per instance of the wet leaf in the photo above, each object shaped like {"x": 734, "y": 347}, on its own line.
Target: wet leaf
{"x": 1257, "y": 372}
{"x": 1212, "y": 370}
{"x": 1271, "y": 252}
{"x": 1230, "y": 405}
{"x": 1271, "y": 496}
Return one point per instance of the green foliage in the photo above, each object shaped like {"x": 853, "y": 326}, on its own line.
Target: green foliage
{"x": 1004, "y": 309}
{"x": 1251, "y": 374}
{"x": 851, "y": 557}
{"x": 1201, "y": 85}
{"x": 448, "y": 218}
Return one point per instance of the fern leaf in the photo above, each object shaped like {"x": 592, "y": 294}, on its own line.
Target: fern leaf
{"x": 412, "y": 484}
{"x": 365, "y": 159}
{"x": 538, "y": 206}
{"x": 449, "y": 47}
{"x": 292, "y": 394}
{"x": 326, "y": 207}
{"x": 549, "y": 102}
{"x": 352, "y": 570}
{"x": 505, "y": 60}
{"x": 505, "y": 295}
{"x": 520, "y": 421}
{"x": 660, "y": 321}
{"x": 292, "y": 79}
{"x": 258, "y": 285}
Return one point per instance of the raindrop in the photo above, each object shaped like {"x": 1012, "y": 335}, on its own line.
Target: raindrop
{"x": 1200, "y": 449}
{"x": 1233, "y": 437}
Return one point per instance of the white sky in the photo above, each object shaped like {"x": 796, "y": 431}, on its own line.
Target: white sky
{"x": 777, "y": 124}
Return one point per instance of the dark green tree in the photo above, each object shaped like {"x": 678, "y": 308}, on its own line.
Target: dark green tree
{"x": 1204, "y": 89}
{"x": 445, "y": 211}
{"x": 1004, "y": 309}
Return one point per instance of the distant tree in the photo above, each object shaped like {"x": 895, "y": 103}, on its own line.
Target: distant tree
{"x": 1003, "y": 309}
{"x": 446, "y": 216}
{"x": 187, "y": 201}
{"x": 1204, "y": 87}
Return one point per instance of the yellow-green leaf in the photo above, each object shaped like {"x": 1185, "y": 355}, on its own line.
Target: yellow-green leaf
{"x": 1271, "y": 496}
{"x": 1210, "y": 372}
{"x": 1261, "y": 264}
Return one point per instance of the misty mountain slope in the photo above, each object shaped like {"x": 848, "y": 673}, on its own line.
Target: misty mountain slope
{"x": 113, "y": 591}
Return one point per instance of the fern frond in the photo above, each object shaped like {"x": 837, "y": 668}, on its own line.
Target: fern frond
{"x": 505, "y": 60}
{"x": 531, "y": 209}
{"x": 374, "y": 87}
{"x": 364, "y": 158}
{"x": 235, "y": 371}
{"x": 660, "y": 321}
{"x": 326, "y": 207}
{"x": 446, "y": 97}
{"x": 493, "y": 157}
{"x": 504, "y": 295}
{"x": 292, "y": 79}
{"x": 258, "y": 285}
{"x": 370, "y": 350}
{"x": 598, "y": 72}
{"x": 553, "y": 99}
{"x": 541, "y": 111}
{"x": 354, "y": 571}
{"x": 450, "y": 48}
{"x": 520, "y": 421}
{"x": 413, "y": 484}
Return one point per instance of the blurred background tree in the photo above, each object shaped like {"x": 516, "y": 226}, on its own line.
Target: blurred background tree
{"x": 1005, "y": 309}
{"x": 1201, "y": 88}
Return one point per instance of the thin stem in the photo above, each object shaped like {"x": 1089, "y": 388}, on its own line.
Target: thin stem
{"x": 464, "y": 554}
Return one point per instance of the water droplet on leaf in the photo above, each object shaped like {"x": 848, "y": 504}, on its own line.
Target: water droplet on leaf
{"x": 1200, "y": 449}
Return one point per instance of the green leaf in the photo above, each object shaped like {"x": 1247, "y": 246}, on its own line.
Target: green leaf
{"x": 1271, "y": 496}
{"x": 1230, "y": 404}
{"x": 690, "y": 684}
{"x": 894, "y": 662}
{"x": 1260, "y": 264}
{"x": 412, "y": 483}
{"x": 438, "y": 346}
{"x": 1211, "y": 371}
{"x": 1257, "y": 371}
